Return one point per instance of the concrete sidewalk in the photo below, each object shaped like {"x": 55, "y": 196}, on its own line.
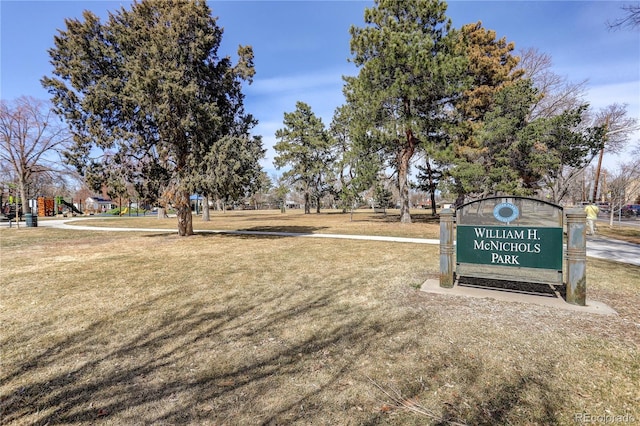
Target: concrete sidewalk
{"x": 66, "y": 224}
{"x": 610, "y": 249}
{"x": 597, "y": 246}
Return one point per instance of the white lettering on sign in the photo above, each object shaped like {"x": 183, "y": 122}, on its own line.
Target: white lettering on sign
{"x": 524, "y": 243}
{"x": 506, "y": 234}
{"x": 518, "y": 247}
{"x": 508, "y": 259}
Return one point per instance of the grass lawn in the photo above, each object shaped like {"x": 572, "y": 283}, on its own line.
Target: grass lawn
{"x": 363, "y": 222}
{"x": 117, "y": 328}
{"x": 620, "y": 231}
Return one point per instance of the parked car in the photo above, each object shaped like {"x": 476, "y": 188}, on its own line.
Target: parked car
{"x": 631, "y": 210}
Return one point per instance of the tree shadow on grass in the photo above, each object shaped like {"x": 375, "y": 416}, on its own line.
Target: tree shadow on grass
{"x": 395, "y": 218}
{"x": 296, "y": 230}
{"x": 471, "y": 396}
{"x": 425, "y": 218}
{"x": 113, "y": 380}
{"x": 218, "y": 363}
{"x": 512, "y": 396}
{"x": 280, "y": 231}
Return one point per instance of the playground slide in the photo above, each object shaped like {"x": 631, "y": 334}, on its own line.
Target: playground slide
{"x": 124, "y": 211}
{"x": 71, "y": 206}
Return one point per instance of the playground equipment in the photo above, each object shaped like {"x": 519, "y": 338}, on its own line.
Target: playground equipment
{"x": 46, "y": 206}
{"x": 61, "y": 203}
{"x": 52, "y": 206}
{"x": 71, "y": 206}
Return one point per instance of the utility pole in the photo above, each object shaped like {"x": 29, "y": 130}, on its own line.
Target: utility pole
{"x": 626, "y": 128}
{"x": 597, "y": 178}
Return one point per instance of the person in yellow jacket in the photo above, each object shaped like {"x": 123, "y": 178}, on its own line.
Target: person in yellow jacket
{"x": 592, "y": 214}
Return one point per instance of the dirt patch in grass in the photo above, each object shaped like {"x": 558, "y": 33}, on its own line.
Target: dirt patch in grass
{"x": 130, "y": 328}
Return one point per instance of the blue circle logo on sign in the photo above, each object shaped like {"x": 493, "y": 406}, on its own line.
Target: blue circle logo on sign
{"x": 506, "y": 212}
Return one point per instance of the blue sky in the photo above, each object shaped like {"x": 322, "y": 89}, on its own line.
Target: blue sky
{"x": 301, "y": 48}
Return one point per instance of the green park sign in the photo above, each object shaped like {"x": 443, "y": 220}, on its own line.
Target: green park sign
{"x": 510, "y": 238}
{"x": 526, "y": 247}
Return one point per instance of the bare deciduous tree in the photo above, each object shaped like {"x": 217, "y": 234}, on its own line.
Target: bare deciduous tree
{"x": 624, "y": 186}
{"x": 618, "y": 129}
{"x": 31, "y": 139}
{"x": 631, "y": 18}
{"x": 556, "y": 93}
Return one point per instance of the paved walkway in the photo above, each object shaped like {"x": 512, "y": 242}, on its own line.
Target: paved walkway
{"x": 610, "y": 249}
{"x": 597, "y": 246}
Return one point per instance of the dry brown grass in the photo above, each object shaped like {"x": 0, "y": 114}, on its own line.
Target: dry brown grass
{"x": 328, "y": 222}
{"x": 130, "y": 328}
{"x": 624, "y": 231}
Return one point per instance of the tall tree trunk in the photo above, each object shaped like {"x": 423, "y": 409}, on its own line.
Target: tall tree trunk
{"x": 403, "y": 187}
{"x": 433, "y": 203}
{"x": 183, "y": 212}
{"x": 432, "y": 187}
{"x": 404, "y": 157}
{"x": 23, "y": 197}
{"x": 161, "y": 213}
{"x": 318, "y": 204}
{"x": 611, "y": 216}
{"x": 307, "y": 203}
{"x": 205, "y": 209}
